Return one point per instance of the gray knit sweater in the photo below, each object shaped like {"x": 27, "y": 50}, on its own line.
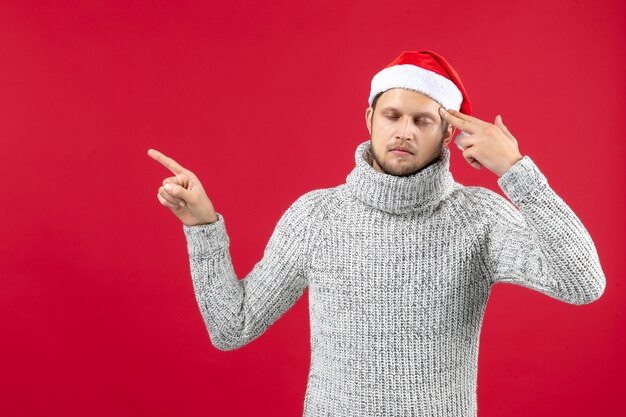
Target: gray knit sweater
{"x": 399, "y": 270}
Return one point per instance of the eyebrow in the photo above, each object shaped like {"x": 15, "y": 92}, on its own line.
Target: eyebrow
{"x": 423, "y": 113}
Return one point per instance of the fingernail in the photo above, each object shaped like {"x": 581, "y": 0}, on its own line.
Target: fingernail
{"x": 442, "y": 110}
{"x": 181, "y": 203}
{"x": 168, "y": 187}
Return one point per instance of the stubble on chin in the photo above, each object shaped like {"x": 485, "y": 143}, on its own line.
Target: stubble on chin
{"x": 371, "y": 157}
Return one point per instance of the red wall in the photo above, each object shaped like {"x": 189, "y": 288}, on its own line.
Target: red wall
{"x": 265, "y": 101}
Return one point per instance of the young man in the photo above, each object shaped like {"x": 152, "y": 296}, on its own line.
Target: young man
{"x": 400, "y": 260}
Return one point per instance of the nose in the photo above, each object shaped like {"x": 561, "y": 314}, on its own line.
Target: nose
{"x": 405, "y": 128}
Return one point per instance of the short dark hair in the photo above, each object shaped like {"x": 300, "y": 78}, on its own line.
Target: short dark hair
{"x": 376, "y": 99}
{"x": 377, "y": 96}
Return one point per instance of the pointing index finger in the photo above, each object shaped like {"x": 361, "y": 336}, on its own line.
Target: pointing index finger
{"x": 166, "y": 161}
{"x": 462, "y": 121}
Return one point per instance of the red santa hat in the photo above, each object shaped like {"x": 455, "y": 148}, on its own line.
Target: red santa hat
{"x": 426, "y": 72}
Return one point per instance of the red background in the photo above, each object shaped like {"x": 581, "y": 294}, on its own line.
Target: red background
{"x": 265, "y": 101}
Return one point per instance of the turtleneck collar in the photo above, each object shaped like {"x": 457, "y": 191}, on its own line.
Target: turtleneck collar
{"x": 395, "y": 194}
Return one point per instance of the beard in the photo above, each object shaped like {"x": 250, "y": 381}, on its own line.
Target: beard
{"x": 404, "y": 171}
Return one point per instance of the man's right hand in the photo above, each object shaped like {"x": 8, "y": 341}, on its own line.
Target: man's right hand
{"x": 183, "y": 193}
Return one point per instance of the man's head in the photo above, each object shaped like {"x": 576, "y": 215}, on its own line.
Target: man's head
{"x": 404, "y": 111}
{"x": 405, "y": 119}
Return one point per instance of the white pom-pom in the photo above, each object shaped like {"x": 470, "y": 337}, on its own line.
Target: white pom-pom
{"x": 457, "y": 140}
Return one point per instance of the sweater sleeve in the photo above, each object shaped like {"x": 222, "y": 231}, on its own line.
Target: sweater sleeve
{"x": 236, "y": 311}
{"x": 543, "y": 245}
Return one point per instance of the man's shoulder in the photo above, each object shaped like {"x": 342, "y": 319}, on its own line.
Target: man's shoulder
{"x": 312, "y": 204}
{"x": 318, "y": 195}
{"x": 481, "y": 199}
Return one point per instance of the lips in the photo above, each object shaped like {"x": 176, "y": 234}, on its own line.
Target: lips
{"x": 402, "y": 151}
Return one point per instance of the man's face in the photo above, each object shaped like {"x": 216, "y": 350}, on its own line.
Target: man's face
{"x": 409, "y": 120}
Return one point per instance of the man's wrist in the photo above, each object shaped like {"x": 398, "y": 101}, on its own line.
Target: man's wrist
{"x": 513, "y": 161}
{"x": 209, "y": 220}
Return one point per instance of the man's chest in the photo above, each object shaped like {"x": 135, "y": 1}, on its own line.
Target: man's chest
{"x": 395, "y": 276}
{"x": 383, "y": 256}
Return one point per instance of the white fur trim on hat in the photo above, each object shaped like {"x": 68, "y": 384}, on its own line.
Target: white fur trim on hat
{"x": 429, "y": 83}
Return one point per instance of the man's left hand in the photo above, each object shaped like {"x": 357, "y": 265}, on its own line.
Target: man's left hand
{"x": 485, "y": 144}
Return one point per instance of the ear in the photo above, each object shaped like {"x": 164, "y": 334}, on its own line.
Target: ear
{"x": 449, "y": 135}
{"x": 369, "y": 112}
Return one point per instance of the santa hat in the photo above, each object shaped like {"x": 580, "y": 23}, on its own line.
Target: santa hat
{"x": 426, "y": 72}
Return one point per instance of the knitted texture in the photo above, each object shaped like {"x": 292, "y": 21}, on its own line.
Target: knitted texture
{"x": 399, "y": 270}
